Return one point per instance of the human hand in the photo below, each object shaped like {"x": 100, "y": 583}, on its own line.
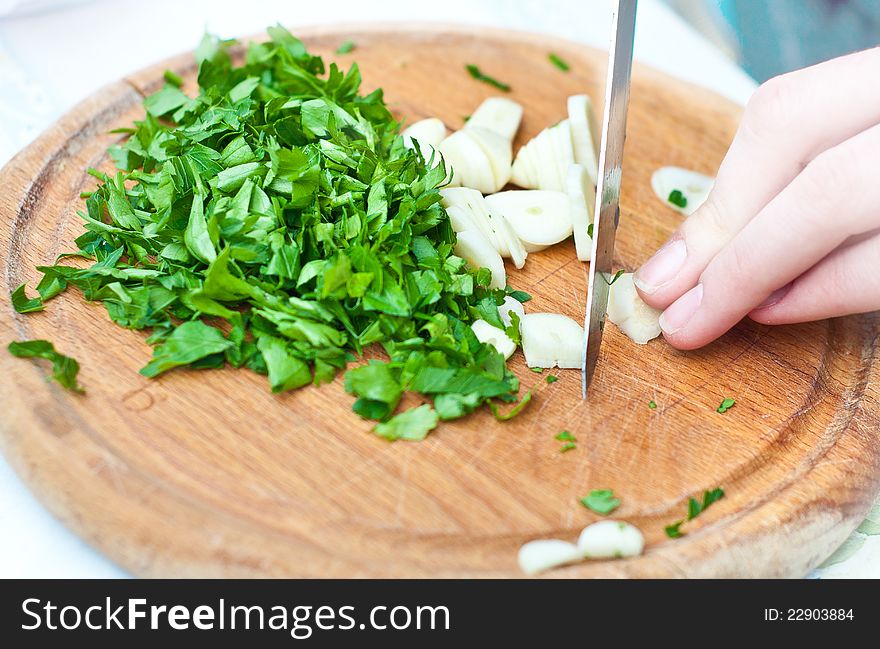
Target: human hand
{"x": 791, "y": 229}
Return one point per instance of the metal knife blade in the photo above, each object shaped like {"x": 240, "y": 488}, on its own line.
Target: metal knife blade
{"x": 607, "y": 211}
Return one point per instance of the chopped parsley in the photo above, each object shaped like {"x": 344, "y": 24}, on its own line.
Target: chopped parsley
{"x": 475, "y": 72}
{"x": 569, "y": 439}
{"x": 537, "y": 370}
{"x": 276, "y": 221}
{"x": 652, "y": 405}
{"x": 695, "y": 508}
{"x": 559, "y": 62}
{"x": 345, "y": 47}
{"x": 22, "y": 303}
{"x": 601, "y": 501}
{"x": 677, "y": 198}
{"x": 64, "y": 368}
{"x": 615, "y": 278}
{"x": 590, "y": 230}
{"x": 726, "y": 405}
{"x": 513, "y": 412}
{"x": 551, "y": 378}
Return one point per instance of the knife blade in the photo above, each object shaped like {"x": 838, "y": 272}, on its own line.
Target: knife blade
{"x": 607, "y": 210}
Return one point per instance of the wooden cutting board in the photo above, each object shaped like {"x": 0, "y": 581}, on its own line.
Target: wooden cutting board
{"x": 205, "y": 473}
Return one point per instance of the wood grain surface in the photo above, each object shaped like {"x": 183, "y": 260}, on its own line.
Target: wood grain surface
{"x": 205, "y": 473}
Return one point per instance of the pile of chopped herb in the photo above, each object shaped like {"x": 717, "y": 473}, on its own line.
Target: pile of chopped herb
{"x": 276, "y": 222}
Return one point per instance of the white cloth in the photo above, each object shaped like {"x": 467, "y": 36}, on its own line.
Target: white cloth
{"x": 49, "y": 60}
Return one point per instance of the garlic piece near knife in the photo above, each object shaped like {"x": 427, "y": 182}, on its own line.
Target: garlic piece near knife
{"x": 582, "y": 197}
{"x": 552, "y": 340}
{"x": 693, "y": 188}
{"x": 497, "y": 114}
{"x": 629, "y": 312}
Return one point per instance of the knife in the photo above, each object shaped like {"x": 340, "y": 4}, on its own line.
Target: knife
{"x": 607, "y": 210}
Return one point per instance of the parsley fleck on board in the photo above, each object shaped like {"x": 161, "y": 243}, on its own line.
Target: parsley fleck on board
{"x": 477, "y": 74}
{"x": 695, "y": 508}
{"x": 726, "y": 405}
{"x": 559, "y": 62}
{"x": 275, "y": 221}
{"x": 601, "y": 501}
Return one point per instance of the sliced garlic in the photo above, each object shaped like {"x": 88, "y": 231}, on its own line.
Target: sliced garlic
{"x": 539, "y": 218}
{"x": 492, "y": 224}
{"x": 510, "y": 305}
{"x": 466, "y": 162}
{"x": 472, "y": 202}
{"x": 582, "y": 199}
{"x": 491, "y": 335}
{"x": 543, "y": 554}
{"x": 629, "y": 312}
{"x": 584, "y": 133}
{"x": 542, "y": 162}
{"x": 508, "y": 240}
{"x": 476, "y": 250}
{"x": 499, "y": 152}
{"x": 497, "y": 114}
{"x": 695, "y": 187}
{"x": 610, "y": 539}
{"x": 552, "y": 340}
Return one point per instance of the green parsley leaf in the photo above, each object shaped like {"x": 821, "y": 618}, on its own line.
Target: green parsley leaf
{"x": 551, "y": 378}
{"x": 413, "y": 424}
{"x": 673, "y": 531}
{"x": 475, "y": 72}
{"x": 726, "y": 405}
{"x": 590, "y": 230}
{"x": 568, "y": 446}
{"x": 537, "y": 370}
{"x": 601, "y": 501}
{"x": 64, "y": 368}
{"x": 558, "y": 62}
{"x": 520, "y": 296}
{"x": 22, "y": 303}
{"x": 345, "y": 47}
{"x": 695, "y": 508}
{"x": 677, "y": 198}
{"x": 188, "y": 343}
{"x": 565, "y": 436}
{"x": 652, "y": 405}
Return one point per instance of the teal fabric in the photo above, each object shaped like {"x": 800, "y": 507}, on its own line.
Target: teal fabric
{"x": 777, "y": 36}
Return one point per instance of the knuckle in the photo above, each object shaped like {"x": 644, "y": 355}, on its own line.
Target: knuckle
{"x": 823, "y": 182}
{"x": 708, "y": 227}
{"x": 770, "y": 108}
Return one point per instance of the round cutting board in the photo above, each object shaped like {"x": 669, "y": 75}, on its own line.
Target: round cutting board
{"x": 205, "y": 473}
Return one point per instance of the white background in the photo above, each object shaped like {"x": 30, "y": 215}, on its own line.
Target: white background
{"x": 49, "y": 60}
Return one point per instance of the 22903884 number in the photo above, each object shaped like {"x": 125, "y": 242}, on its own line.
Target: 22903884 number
{"x": 808, "y": 614}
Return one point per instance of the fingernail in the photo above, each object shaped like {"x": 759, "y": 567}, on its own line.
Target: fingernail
{"x": 677, "y": 315}
{"x": 662, "y": 267}
{"x": 774, "y": 297}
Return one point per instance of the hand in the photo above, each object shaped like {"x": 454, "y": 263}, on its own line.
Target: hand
{"x": 791, "y": 229}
